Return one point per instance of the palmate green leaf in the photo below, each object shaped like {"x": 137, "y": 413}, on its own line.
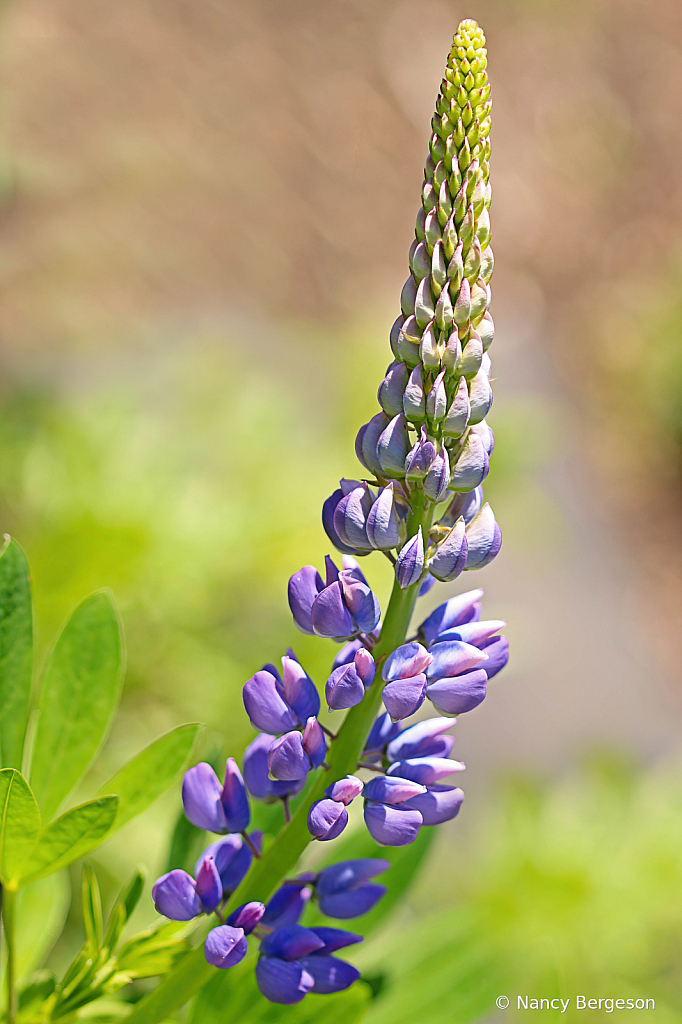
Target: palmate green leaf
{"x": 78, "y": 698}
{"x": 71, "y": 836}
{"x": 16, "y": 653}
{"x": 147, "y": 775}
{"x": 20, "y": 824}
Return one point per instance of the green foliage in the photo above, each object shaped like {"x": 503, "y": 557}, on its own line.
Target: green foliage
{"x": 78, "y": 698}
{"x": 16, "y": 653}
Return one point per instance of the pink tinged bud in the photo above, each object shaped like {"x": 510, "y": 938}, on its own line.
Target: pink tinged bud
{"x": 472, "y": 355}
{"x": 404, "y": 697}
{"x": 387, "y": 789}
{"x": 365, "y": 667}
{"x": 451, "y": 554}
{"x": 247, "y": 916}
{"x": 463, "y": 304}
{"x": 314, "y": 742}
{"x": 392, "y": 389}
{"x": 432, "y": 231}
{"x": 345, "y": 790}
{"x": 479, "y": 299}
{"x": 438, "y": 476}
{"x": 299, "y": 690}
{"x": 486, "y": 331}
{"x": 438, "y": 268}
{"x": 420, "y": 262}
{"x": 393, "y": 446}
{"x": 437, "y": 400}
{"x": 484, "y": 538}
{"x": 472, "y": 465}
{"x": 367, "y": 440}
{"x": 424, "y": 308}
{"x": 457, "y": 417}
{"x": 384, "y": 521}
{"x": 452, "y": 658}
{"x": 408, "y": 296}
{"x": 421, "y": 457}
{"x": 327, "y": 819}
{"x": 429, "y": 348}
{"x": 410, "y": 563}
{"x": 408, "y": 342}
{"x": 480, "y": 396}
{"x": 414, "y": 400}
{"x": 456, "y": 271}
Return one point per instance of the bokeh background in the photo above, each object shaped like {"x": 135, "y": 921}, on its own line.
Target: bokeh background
{"x": 205, "y": 212}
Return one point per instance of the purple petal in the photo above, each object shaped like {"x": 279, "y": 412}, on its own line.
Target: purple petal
{"x": 350, "y": 518}
{"x": 360, "y": 601}
{"x": 459, "y": 412}
{"x": 330, "y": 974}
{"x": 304, "y": 586}
{"x": 449, "y": 614}
{"x": 472, "y": 466}
{"x": 354, "y": 903}
{"x": 410, "y": 563}
{"x": 234, "y": 799}
{"x": 382, "y": 732}
{"x": 345, "y": 790}
{"x": 175, "y": 896}
{"x": 330, "y": 616}
{"x": 392, "y": 826}
{"x": 484, "y": 538}
{"x": 421, "y": 457}
{"x": 282, "y": 982}
{"x": 348, "y": 874}
{"x": 209, "y": 887}
{"x": 201, "y": 793}
{"x": 352, "y": 567}
{"x": 265, "y": 705}
{"x": 327, "y": 819}
{"x": 438, "y": 804}
{"x": 452, "y": 657}
{"x": 438, "y": 477}
{"x": 383, "y": 521}
{"x": 450, "y": 557}
{"x": 425, "y": 770}
{"x": 287, "y": 758}
{"x": 257, "y": 772}
{"x": 328, "y": 510}
{"x": 246, "y": 917}
{"x": 331, "y": 571}
{"x": 426, "y": 586}
{"x": 392, "y": 389}
{"x": 497, "y": 650}
{"x": 314, "y": 742}
{"x": 367, "y": 441}
{"x": 458, "y": 695}
{"x": 287, "y": 904}
{"x": 344, "y": 688}
{"x": 300, "y": 692}
{"x": 407, "y": 660}
{"x": 290, "y": 942}
{"x": 387, "y": 789}
{"x": 404, "y": 697}
{"x": 476, "y": 633}
{"x": 225, "y": 946}
{"x": 335, "y": 938}
{"x": 417, "y": 740}
{"x": 393, "y": 447}
{"x": 346, "y": 655}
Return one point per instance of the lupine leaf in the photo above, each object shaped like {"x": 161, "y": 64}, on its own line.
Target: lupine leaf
{"x": 71, "y": 836}
{"x": 41, "y": 911}
{"x": 16, "y": 653}
{"x": 20, "y": 824}
{"x": 79, "y": 694}
{"x": 147, "y": 775}
{"x": 92, "y": 908}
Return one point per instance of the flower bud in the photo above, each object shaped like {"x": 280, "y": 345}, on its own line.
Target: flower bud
{"x": 457, "y": 417}
{"x": 421, "y": 457}
{"x": 408, "y": 342}
{"x": 424, "y": 307}
{"x": 444, "y": 312}
{"x": 472, "y": 465}
{"x": 487, "y": 264}
{"x": 453, "y": 352}
{"x": 484, "y": 538}
{"x": 367, "y": 440}
{"x": 414, "y": 400}
{"x": 463, "y": 304}
{"x": 464, "y": 505}
{"x": 393, "y": 446}
{"x": 314, "y": 742}
{"x": 472, "y": 355}
{"x": 385, "y": 520}
{"x": 408, "y": 296}
{"x": 480, "y": 396}
{"x": 225, "y": 946}
{"x": 410, "y": 563}
{"x": 395, "y": 334}
{"x": 327, "y": 819}
{"x": 450, "y": 557}
{"x": 429, "y": 348}
{"x": 344, "y": 688}
{"x": 479, "y": 299}
{"x": 436, "y": 401}
{"x": 392, "y": 388}
{"x": 345, "y": 790}
{"x": 486, "y": 435}
{"x": 420, "y": 262}
{"x": 350, "y": 518}
{"x": 438, "y": 477}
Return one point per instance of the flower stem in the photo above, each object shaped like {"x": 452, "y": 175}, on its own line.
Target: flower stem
{"x": 9, "y": 911}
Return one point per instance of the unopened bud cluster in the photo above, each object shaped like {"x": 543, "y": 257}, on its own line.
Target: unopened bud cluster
{"x": 431, "y": 437}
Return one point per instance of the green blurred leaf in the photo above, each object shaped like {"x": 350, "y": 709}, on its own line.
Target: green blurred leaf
{"x": 78, "y": 698}
{"x": 20, "y": 824}
{"x": 147, "y": 775}
{"x": 41, "y": 912}
{"x": 92, "y": 908}
{"x": 123, "y": 908}
{"x": 154, "y": 951}
{"x": 16, "y": 653}
{"x": 73, "y": 835}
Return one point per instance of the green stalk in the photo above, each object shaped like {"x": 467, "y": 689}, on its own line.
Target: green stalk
{"x": 281, "y": 857}
{"x": 9, "y": 917}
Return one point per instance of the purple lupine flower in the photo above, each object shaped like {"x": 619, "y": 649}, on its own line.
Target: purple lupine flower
{"x": 288, "y": 903}
{"x": 328, "y": 510}
{"x": 347, "y": 683}
{"x": 225, "y": 946}
{"x": 484, "y": 538}
{"x": 328, "y": 817}
{"x": 383, "y": 731}
{"x": 410, "y": 563}
{"x": 392, "y": 388}
{"x": 406, "y": 682}
{"x": 497, "y": 649}
{"x": 367, "y": 441}
{"x": 212, "y": 807}
{"x": 257, "y": 772}
{"x": 341, "y": 609}
{"x": 460, "y": 609}
{"x": 389, "y": 821}
{"x": 424, "y": 770}
{"x": 455, "y": 681}
{"x": 344, "y": 890}
{"x": 392, "y": 447}
{"x": 248, "y": 916}
{"x": 424, "y": 739}
{"x": 295, "y": 960}
{"x": 277, "y": 703}
{"x": 293, "y": 755}
{"x": 421, "y": 457}
{"x": 232, "y": 858}
{"x": 385, "y": 525}
{"x": 350, "y": 518}
{"x": 438, "y": 804}
{"x": 179, "y": 897}
{"x": 450, "y": 557}
{"x": 438, "y": 477}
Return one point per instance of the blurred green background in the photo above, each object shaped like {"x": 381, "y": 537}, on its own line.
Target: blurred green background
{"x": 206, "y": 210}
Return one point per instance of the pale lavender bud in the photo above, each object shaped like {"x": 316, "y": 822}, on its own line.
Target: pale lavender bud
{"x": 393, "y": 446}
{"x": 392, "y": 389}
{"x": 450, "y": 556}
{"x": 314, "y": 742}
{"x": 424, "y": 307}
{"x": 484, "y": 538}
{"x": 414, "y": 399}
{"x": 486, "y": 328}
{"x": 367, "y": 440}
{"x": 453, "y": 352}
{"x": 409, "y": 340}
{"x": 410, "y": 563}
{"x": 436, "y": 402}
{"x": 463, "y": 304}
{"x": 438, "y": 476}
{"x": 385, "y": 520}
{"x": 480, "y": 396}
{"x": 486, "y": 434}
{"x": 395, "y": 332}
{"x": 458, "y": 414}
{"x": 429, "y": 348}
{"x": 408, "y": 296}
{"x": 472, "y": 355}
{"x": 350, "y": 518}
{"x": 225, "y": 946}
{"x": 465, "y": 505}
{"x": 472, "y": 465}
{"x": 421, "y": 457}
